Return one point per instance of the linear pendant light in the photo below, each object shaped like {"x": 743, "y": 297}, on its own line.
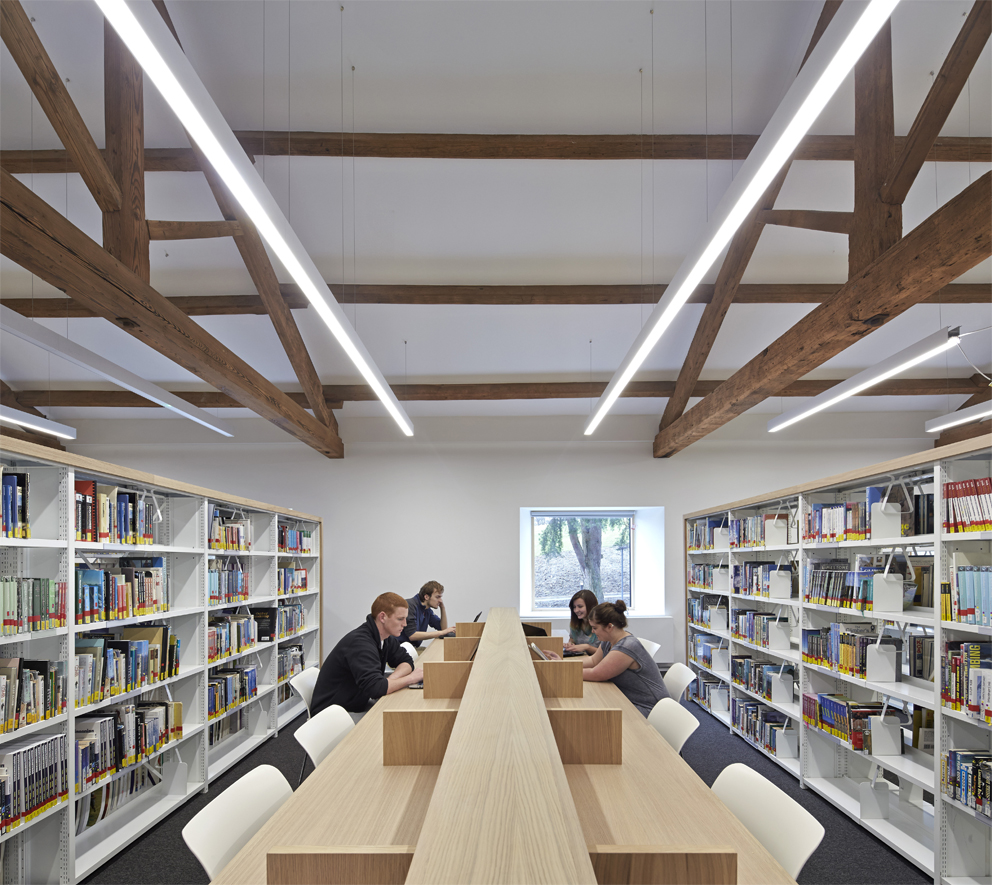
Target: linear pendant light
{"x": 33, "y": 422}
{"x": 899, "y": 362}
{"x": 35, "y": 333}
{"x": 962, "y": 416}
{"x": 149, "y": 40}
{"x": 847, "y": 36}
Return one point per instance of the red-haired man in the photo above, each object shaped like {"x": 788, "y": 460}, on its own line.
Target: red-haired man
{"x": 353, "y": 674}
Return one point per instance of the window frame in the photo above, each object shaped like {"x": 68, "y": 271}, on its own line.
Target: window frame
{"x": 647, "y": 571}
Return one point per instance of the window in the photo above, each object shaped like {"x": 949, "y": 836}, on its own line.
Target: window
{"x": 581, "y": 551}
{"x": 617, "y": 553}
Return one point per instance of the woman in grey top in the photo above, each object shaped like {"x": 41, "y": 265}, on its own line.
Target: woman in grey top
{"x": 621, "y": 659}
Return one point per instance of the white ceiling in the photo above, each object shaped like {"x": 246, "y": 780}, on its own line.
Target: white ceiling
{"x": 495, "y": 67}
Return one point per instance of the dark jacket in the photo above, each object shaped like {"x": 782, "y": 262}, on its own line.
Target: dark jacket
{"x": 419, "y": 619}
{"x": 352, "y": 673}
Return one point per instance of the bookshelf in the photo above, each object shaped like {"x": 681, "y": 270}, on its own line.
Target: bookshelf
{"x": 243, "y": 583}
{"x": 807, "y": 608}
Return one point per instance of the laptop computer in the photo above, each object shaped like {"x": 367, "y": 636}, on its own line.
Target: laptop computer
{"x": 531, "y": 630}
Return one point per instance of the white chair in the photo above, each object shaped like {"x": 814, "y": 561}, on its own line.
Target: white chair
{"x": 677, "y": 680}
{"x": 323, "y": 733}
{"x": 650, "y": 647}
{"x": 303, "y": 683}
{"x": 410, "y": 650}
{"x": 221, "y": 829}
{"x": 777, "y": 821}
{"x": 673, "y": 722}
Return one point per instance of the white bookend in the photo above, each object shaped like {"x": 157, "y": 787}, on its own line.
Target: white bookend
{"x": 721, "y": 660}
{"x": 787, "y": 744}
{"x": 721, "y": 538}
{"x": 720, "y": 699}
{"x": 779, "y": 634}
{"x": 886, "y": 521}
{"x": 777, "y": 532}
{"x": 721, "y": 579}
{"x": 886, "y": 592}
{"x": 886, "y": 736}
{"x": 874, "y": 800}
{"x": 782, "y": 689}
{"x": 883, "y": 664}
{"x": 780, "y": 584}
{"x": 718, "y": 618}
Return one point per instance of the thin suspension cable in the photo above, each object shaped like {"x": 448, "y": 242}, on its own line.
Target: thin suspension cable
{"x": 263, "y": 90}
{"x": 970, "y": 363}
{"x": 653, "y": 164}
{"x": 733, "y": 156}
{"x": 289, "y": 111}
{"x": 354, "y": 205}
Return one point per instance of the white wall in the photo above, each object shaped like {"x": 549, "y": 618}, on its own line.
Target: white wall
{"x": 444, "y": 507}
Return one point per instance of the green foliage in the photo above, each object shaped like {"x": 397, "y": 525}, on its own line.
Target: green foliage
{"x": 551, "y": 538}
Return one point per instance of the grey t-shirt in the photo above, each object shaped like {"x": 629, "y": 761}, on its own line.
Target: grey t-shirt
{"x": 643, "y": 687}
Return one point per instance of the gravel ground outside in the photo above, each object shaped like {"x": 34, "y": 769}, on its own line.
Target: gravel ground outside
{"x": 557, "y": 578}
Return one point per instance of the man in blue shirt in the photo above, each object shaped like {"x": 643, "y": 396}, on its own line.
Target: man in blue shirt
{"x": 421, "y": 622}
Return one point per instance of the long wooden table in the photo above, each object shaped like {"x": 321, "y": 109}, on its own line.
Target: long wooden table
{"x": 502, "y": 807}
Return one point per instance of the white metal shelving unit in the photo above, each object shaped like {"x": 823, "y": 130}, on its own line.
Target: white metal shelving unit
{"x": 898, "y": 798}
{"x": 47, "y": 849}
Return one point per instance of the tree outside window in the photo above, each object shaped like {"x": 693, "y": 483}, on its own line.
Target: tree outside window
{"x": 589, "y": 552}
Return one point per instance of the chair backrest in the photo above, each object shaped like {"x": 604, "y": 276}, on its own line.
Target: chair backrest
{"x": 673, "y": 722}
{"x": 303, "y": 683}
{"x": 321, "y": 734}
{"x": 221, "y": 829}
{"x": 776, "y": 820}
{"x": 651, "y": 647}
{"x": 677, "y": 680}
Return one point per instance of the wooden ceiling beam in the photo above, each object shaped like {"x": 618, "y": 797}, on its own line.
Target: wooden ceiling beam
{"x": 262, "y": 274}
{"x": 49, "y": 88}
{"x": 809, "y": 219}
{"x": 191, "y": 305}
{"x": 338, "y": 394}
{"x": 45, "y": 243}
{"x": 940, "y": 100}
{"x": 192, "y": 230}
{"x": 125, "y": 234}
{"x": 12, "y": 400}
{"x": 947, "y": 244}
{"x": 876, "y": 225}
{"x": 747, "y": 293}
{"x": 742, "y": 246}
{"x": 947, "y": 149}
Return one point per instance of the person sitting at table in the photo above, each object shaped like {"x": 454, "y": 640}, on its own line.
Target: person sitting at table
{"x": 581, "y": 637}
{"x": 621, "y": 659}
{"x": 353, "y": 674}
{"x": 421, "y": 622}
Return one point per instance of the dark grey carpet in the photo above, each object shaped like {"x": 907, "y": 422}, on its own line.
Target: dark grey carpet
{"x": 848, "y": 854}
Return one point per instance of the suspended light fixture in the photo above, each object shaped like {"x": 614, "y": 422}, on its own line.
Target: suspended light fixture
{"x": 899, "y": 362}
{"x": 33, "y": 422}
{"x": 962, "y": 416}
{"x": 843, "y": 42}
{"x": 149, "y": 40}
{"x": 35, "y": 333}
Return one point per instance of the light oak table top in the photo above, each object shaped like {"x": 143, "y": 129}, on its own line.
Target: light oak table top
{"x": 351, "y": 798}
{"x": 655, "y": 798}
{"x": 500, "y": 807}
{"x": 502, "y": 810}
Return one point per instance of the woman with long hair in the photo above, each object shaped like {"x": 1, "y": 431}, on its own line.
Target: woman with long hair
{"x": 581, "y": 636}
{"x": 621, "y": 659}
